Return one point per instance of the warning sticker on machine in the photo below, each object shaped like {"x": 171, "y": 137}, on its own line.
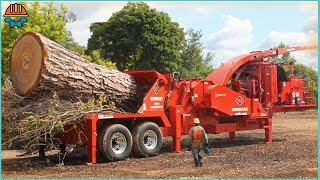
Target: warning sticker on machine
{"x": 239, "y": 100}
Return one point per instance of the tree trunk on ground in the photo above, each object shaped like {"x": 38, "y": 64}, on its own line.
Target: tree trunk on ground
{"x": 40, "y": 65}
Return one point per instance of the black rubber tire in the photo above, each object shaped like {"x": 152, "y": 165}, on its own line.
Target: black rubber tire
{"x": 138, "y": 148}
{"x": 104, "y": 138}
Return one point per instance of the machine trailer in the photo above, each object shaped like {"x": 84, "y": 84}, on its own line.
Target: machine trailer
{"x": 242, "y": 94}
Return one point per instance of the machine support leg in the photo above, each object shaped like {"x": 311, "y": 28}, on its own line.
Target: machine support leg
{"x": 177, "y": 136}
{"x": 62, "y": 148}
{"x": 176, "y": 129}
{"x": 232, "y": 136}
{"x": 91, "y": 121}
{"x": 42, "y": 153}
{"x": 268, "y": 130}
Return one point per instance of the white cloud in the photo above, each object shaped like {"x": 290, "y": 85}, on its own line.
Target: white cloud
{"x": 309, "y": 58}
{"x": 234, "y": 34}
{"x": 311, "y": 24}
{"x": 307, "y": 36}
{"x": 88, "y": 13}
{"x": 231, "y": 40}
{"x": 289, "y": 38}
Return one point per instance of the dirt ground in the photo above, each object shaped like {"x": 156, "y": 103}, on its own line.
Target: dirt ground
{"x": 293, "y": 153}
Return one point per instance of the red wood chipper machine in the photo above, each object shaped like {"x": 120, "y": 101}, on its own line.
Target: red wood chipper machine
{"x": 242, "y": 94}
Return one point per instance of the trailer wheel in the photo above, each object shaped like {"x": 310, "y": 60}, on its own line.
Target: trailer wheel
{"x": 147, "y": 139}
{"x": 115, "y": 142}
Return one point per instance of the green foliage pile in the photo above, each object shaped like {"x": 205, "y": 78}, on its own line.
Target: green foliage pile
{"x": 32, "y": 119}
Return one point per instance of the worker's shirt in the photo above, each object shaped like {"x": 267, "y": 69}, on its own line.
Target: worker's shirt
{"x": 197, "y": 137}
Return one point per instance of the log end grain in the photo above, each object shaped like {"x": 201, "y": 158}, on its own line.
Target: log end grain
{"x": 27, "y": 63}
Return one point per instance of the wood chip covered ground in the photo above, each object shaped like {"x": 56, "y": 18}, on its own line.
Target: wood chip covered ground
{"x": 293, "y": 153}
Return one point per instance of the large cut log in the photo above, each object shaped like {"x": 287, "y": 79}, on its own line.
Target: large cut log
{"x": 38, "y": 65}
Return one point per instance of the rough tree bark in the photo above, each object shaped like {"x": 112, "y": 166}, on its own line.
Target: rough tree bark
{"x": 39, "y": 65}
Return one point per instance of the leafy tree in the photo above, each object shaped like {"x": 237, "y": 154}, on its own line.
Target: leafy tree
{"x": 95, "y": 57}
{"x": 71, "y": 45}
{"x": 139, "y": 37}
{"x": 44, "y": 18}
{"x": 193, "y": 63}
{"x": 285, "y": 58}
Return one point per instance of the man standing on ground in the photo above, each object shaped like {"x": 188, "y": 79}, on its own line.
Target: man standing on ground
{"x": 197, "y": 138}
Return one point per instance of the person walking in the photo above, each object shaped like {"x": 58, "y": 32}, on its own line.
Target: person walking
{"x": 197, "y": 138}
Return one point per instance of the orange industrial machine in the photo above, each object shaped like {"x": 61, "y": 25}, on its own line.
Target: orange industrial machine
{"x": 242, "y": 94}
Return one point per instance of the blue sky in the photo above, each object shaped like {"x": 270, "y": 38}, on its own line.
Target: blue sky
{"x": 229, "y": 28}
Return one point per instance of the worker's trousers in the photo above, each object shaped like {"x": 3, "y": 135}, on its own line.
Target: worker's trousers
{"x": 196, "y": 156}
